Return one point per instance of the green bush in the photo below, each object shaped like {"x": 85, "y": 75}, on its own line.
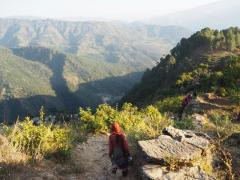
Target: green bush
{"x": 185, "y": 79}
{"x": 184, "y": 124}
{"x": 98, "y": 122}
{"x": 221, "y": 92}
{"x": 170, "y": 104}
{"x": 220, "y": 119}
{"x": 136, "y": 123}
{"x": 222, "y": 125}
{"x": 38, "y": 141}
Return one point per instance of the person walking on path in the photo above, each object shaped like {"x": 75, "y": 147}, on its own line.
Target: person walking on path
{"x": 118, "y": 150}
{"x": 185, "y": 103}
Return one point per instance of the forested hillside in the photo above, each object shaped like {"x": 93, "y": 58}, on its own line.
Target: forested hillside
{"x": 35, "y": 77}
{"x": 208, "y": 61}
{"x": 198, "y": 86}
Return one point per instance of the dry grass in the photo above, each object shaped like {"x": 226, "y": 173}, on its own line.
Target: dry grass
{"x": 11, "y": 160}
{"x": 9, "y": 154}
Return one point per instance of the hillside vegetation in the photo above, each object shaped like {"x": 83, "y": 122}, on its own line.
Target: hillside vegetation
{"x": 206, "y": 65}
{"x": 29, "y": 147}
{"x": 208, "y": 61}
{"x": 32, "y": 77}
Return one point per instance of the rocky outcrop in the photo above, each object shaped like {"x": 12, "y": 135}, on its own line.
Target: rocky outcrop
{"x": 184, "y": 147}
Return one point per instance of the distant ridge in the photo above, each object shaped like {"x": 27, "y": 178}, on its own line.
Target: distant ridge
{"x": 218, "y": 15}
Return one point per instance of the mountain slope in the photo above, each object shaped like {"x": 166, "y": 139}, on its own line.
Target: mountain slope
{"x": 32, "y": 77}
{"x": 21, "y": 78}
{"x": 221, "y": 14}
{"x": 207, "y": 61}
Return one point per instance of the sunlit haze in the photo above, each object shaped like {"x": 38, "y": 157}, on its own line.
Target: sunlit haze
{"x": 126, "y": 10}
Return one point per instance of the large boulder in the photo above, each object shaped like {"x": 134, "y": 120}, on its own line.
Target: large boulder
{"x": 178, "y": 145}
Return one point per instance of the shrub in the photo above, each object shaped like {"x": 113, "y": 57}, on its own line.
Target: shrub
{"x": 136, "y": 123}
{"x": 220, "y": 119}
{"x": 170, "y": 104}
{"x": 9, "y": 155}
{"x": 184, "y": 124}
{"x": 222, "y": 92}
{"x": 98, "y": 122}
{"x": 38, "y": 141}
{"x": 222, "y": 125}
{"x": 185, "y": 79}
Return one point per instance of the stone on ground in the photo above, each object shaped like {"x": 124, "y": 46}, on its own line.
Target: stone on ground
{"x": 178, "y": 145}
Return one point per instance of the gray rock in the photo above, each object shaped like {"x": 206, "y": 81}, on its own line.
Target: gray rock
{"x": 158, "y": 150}
{"x": 197, "y": 139}
{"x": 184, "y": 145}
{"x": 179, "y": 145}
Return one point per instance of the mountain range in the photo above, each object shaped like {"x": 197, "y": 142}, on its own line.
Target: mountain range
{"x": 102, "y": 40}
{"x": 64, "y": 65}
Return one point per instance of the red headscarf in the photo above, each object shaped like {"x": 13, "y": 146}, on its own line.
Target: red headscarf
{"x": 116, "y": 128}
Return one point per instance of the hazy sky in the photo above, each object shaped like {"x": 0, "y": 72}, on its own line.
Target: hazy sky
{"x": 101, "y": 9}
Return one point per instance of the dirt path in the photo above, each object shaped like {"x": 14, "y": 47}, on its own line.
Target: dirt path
{"x": 212, "y": 102}
{"x": 93, "y": 158}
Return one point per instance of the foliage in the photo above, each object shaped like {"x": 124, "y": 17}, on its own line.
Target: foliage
{"x": 222, "y": 126}
{"x": 170, "y": 104}
{"x": 9, "y": 155}
{"x": 231, "y": 75}
{"x": 38, "y": 141}
{"x": 185, "y": 79}
{"x": 200, "y": 73}
{"x": 206, "y": 61}
{"x": 212, "y": 39}
{"x": 221, "y": 91}
{"x": 175, "y": 163}
{"x": 136, "y": 123}
{"x": 184, "y": 124}
{"x": 42, "y": 114}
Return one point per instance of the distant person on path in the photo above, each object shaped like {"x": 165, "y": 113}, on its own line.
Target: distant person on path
{"x": 185, "y": 103}
{"x": 118, "y": 150}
